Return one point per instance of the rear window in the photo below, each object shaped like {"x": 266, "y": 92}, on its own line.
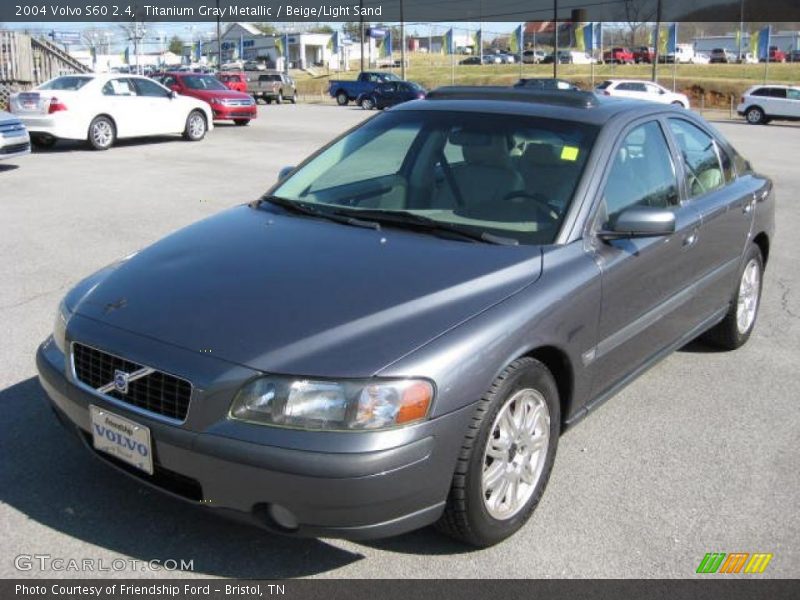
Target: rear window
{"x": 67, "y": 82}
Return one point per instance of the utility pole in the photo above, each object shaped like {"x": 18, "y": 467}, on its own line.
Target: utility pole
{"x": 361, "y": 27}
{"x": 555, "y": 39}
{"x": 656, "y": 39}
{"x": 219, "y": 40}
{"x": 402, "y": 44}
{"x": 741, "y": 28}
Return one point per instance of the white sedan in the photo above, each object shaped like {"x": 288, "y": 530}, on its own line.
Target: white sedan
{"x": 104, "y": 108}
{"x": 643, "y": 90}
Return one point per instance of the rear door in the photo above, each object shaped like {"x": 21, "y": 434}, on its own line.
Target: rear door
{"x": 646, "y": 299}
{"x": 119, "y": 99}
{"x": 726, "y": 205}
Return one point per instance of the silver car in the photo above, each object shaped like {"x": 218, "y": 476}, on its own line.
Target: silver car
{"x": 14, "y": 138}
{"x": 398, "y": 332}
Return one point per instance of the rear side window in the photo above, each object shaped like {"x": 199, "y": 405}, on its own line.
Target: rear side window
{"x": 66, "y": 83}
{"x": 119, "y": 87}
{"x": 604, "y": 85}
{"x": 642, "y": 174}
{"x": 701, "y": 158}
{"x": 760, "y": 92}
{"x": 777, "y": 92}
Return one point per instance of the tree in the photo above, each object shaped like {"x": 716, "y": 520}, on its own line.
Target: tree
{"x": 320, "y": 28}
{"x": 637, "y": 13}
{"x": 266, "y": 28}
{"x": 176, "y": 45}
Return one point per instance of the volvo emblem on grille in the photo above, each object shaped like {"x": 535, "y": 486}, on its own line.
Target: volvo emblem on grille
{"x": 121, "y": 380}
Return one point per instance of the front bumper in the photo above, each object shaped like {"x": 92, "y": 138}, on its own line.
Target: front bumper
{"x": 13, "y": 146}
{"x": 225, "y": 113}
{"x": 349, "y": 494}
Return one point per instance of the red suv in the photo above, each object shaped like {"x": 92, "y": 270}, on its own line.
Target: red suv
{"x": 234, "y": 81}
{"x": 619, "y": 56}
{"x": 226, "y": 104}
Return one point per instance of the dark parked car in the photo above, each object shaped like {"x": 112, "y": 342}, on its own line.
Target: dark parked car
{"x": 391, "y": 93}
{"x": 546, "y": 83}
{"x": 348, "y": 91}
{"x": 471, "y": 60}
{"x": 398, "y": 332}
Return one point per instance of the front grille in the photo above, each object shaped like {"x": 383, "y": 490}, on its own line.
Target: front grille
{"x": 15, "y": 148}
{"x": 156, "y": 392}
{"x": 238, "y": 102}
{"x": 13, "y": 129}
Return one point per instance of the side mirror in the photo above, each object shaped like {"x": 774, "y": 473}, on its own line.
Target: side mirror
{"x": 174, "y": 88}
{"x": 284, "y": 172}
{"x": 173, "y": 94}
{"x": 642, "y": 221}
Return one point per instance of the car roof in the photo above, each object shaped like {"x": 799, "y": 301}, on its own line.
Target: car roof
{"x": 584, "y": 107}
{"x": 782, "y": 86}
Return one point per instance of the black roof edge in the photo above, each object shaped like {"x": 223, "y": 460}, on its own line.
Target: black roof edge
{"x": 566, "y": 98}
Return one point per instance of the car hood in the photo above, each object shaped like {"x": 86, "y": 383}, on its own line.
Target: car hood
{"x": 303, "y": 296}
{"x": 208, "y": 94}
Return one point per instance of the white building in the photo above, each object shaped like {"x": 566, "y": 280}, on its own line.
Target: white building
{"x": 243, "y": 41}
{"x": 784, "y": 40}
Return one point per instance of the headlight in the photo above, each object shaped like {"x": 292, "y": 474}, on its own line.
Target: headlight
{"x": 60, "y": 327}
{"x": 215, "y": 101}
{"x": 329, "y": 405}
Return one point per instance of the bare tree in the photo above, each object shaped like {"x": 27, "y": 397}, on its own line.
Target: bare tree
{"x": 636, "y": 14}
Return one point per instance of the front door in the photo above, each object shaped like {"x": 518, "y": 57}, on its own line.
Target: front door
{"x": 646, "y": 282}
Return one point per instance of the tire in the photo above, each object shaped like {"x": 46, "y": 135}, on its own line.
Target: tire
{"x": 755, "y": 116}
{"x": 294, "y": 97}
{"x": 740, "y": 320}
{"x": 196, "y": 126}
{"x": 342, "y": 99}
{"x": 102, "y": 133}
{"x": 267, "y": 100}
{"x": 241, "y": 122}
{"x": 469, "y": 516}
{"x": 43, "y": 141}
{"x": 279, "y": 98}
{"x": 367, "y": 103}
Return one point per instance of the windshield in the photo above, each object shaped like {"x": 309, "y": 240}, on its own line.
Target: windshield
{"x": 203, "y": 82}
{"x": 66, "y": 83}
{"x": 506, "y": 175}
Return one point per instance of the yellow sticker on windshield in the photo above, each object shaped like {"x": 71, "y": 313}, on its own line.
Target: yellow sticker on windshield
{"x": 569, "y": 153}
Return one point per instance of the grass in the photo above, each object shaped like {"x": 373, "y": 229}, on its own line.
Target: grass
{"x": 709, "y": 85}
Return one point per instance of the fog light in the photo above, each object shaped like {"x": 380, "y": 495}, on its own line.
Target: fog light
{"x": 283, "y": 516}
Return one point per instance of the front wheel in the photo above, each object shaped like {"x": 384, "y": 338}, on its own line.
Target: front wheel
{"x": 102, "y": 133}
{"x": 196, "y": 126}
{"x": 755, "y": 116}
{"x": 735, "y": 329}
{"x": 279, "y": 98}
{"x": 367, "y": 103}
{"x": 506, "y": 457}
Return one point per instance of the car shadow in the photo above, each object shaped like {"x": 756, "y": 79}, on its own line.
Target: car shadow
{"x": 64, "y": 146}
{"x": 8, "y": 167}
{"x": 697, "y": 346}
{"x": 47, "y": 476}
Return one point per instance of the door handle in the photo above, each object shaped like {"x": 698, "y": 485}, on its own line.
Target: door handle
{"x": 690, "y": 239}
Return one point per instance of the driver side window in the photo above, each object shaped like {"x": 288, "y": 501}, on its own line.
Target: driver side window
{"x": 642, "y": 173}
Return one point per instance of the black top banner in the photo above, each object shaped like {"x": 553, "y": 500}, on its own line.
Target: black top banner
{"x": 399, "y": 10}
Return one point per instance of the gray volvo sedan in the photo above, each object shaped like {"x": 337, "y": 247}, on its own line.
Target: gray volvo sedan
{"x": 398, "y": 332}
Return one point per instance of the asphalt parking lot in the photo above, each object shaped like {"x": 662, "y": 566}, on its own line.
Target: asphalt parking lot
{"x": 699, "y": 455}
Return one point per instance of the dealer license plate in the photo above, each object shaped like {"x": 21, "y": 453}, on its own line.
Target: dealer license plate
{"x": 121, "y": 438}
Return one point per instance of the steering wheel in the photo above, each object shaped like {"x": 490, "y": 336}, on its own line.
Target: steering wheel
{"x": 536, "y": 201}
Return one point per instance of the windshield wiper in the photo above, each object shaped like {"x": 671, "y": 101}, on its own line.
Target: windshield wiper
{"x": 303, "y": 208}
{"x": 408, "y": 219}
